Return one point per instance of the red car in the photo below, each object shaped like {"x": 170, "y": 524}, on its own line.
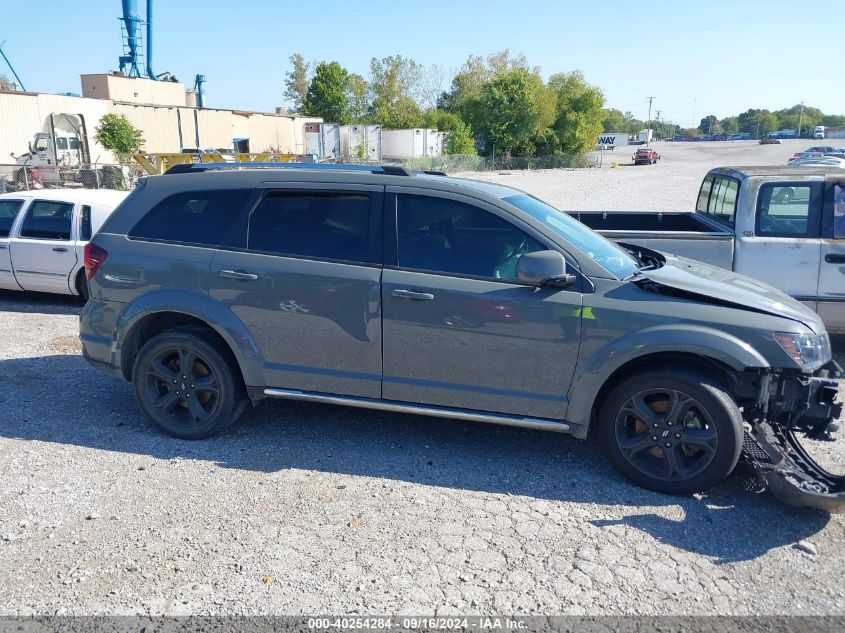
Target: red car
{"x": 646, "y": 156}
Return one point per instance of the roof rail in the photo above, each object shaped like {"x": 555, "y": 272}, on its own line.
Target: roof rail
{"x": 192, "y": 168}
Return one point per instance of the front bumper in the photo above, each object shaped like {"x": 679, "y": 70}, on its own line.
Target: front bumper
{"x": 772, "y": 446}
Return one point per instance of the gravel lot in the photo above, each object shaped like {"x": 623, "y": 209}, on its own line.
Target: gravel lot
{"x": 309, "y": 508}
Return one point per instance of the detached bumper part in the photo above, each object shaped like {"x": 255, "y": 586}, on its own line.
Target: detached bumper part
{"x": 783, "y": 465}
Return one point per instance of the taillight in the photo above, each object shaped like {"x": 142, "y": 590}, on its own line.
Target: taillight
{"x": 94, "y": 258}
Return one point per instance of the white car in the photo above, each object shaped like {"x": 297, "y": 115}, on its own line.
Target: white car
{"x": 819, "y": 161}
{"x": 43, "y": 234}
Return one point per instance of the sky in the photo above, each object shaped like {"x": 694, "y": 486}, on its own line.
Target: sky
{"x": 695, "y": 57}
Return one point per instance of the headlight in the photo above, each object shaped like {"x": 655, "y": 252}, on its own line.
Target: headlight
{"x": 808, "y": 350}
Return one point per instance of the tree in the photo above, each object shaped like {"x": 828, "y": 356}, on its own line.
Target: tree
{"x": 766, "y": 122}
{"x": 515, "y": 107}
{"x": 394, "y": 84}
{"x": 117, "y": 134}
{"x": 5, "y": 83}
{"x": 460, "y": 140}
{"x": 359, "y": 105}
{"x": 709, "y": 125}
{"x": 579, "y": 112}
{"x": 327, "y": 95}
{"x": 441, "y": 120}
{"x": 613, "y": 120}
{"x": 296, "y": 82}
{"x": 729, "y": 125}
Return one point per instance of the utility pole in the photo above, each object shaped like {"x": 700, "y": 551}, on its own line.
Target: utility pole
{"x": 648, "y": 125}
{"x": 657, "y": 116}
{"x": 800, "y": 118}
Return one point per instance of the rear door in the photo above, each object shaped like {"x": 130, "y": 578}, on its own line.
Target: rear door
{"x": 9, "y": 209}
{"x": 42, "y": 252}
{"x": 782, "y": 248}
{"x": 831, "y": 306}
{"x": 307, "y": 286}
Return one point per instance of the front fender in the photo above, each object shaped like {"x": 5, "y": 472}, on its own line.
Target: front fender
{"x": 597, "y": 367}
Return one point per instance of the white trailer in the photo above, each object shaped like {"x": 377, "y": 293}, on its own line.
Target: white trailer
{"x": 609, "y": 140}
{"x": 361, "y": 141}
{"x": 646, "y": 136}
{"x": 411, "y": 143}
{"x": 322, "y": 140}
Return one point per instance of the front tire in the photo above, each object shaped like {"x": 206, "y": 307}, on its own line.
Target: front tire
{"x": 186, "y": 386}
{"x": 675, "y": 430}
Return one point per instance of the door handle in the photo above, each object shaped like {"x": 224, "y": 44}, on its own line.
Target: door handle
{"x": 410, "y": 294}
{"x": 834, "y": 259}
{"x": 3, "y": 246}
{"x": 239, "y": 275}
{"x": 60, "y": 249}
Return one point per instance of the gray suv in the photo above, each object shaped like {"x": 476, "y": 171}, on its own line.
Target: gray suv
{"x": 214, "y": 286}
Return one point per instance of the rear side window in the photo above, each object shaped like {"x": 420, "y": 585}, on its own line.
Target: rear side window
{"x": 722, "y": 204}
{"x": 785, "y": 210}
{"x": 838, "y": 212}
{"x": 85, "y": 224}
{"x": 208, "y": 218}
{"x": 8, "y": 212}
{"x": 319, "y": 225}
{"x": 704, "y": 195}
{"x": 47, "y": 220}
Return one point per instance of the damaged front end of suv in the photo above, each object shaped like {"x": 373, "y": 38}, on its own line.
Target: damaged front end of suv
{"x": 789, "y": 406}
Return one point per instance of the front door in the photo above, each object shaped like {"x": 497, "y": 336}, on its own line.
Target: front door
{"x": 458, "y": 330}
{"x": 308, "y": 287}
{"x": 43, "y": 250}
{"x": 832, "y": 267}
{"x": 8, "y": 212}
{"x": 784, "y": 249}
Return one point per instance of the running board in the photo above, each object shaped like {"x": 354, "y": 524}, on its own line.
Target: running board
{"x": 541, "y": 424}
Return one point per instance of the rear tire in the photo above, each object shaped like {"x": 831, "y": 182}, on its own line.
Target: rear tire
{"x": 82, "y": 285}
{"x": 672, "y": 430}
{"x": 186, "y": 386}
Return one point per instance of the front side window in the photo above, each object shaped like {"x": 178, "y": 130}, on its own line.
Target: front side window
{"x": 722, "y": 204}
{"x": 47, "y": 220}
{"x": 61, "y": 143}
{"x": 446, "y": 236}
{"x": 41, "y": 145}
{"x": 73, "y": 143}
{"x": 208, "y": 218}
{"x": 333, "y": 226}
{"x": 787, "y": 210}
{"x": 8, "y": 212}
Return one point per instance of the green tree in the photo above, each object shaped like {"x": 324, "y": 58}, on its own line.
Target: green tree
{"x": 5, "y": 82}
{"x": 833, "y": 120}
{"x": 117, "y": 134}
{"x": 766, "y": 122}
{"x": 460, "y": 140}
{"x": 359, "y": 105}
{"x": 614, "y": 120}
{"x": 579, "y": 112}
{"x": 327, "y": 96}
{"x": 729, "y": 125}
{"x": 394, "y": 82}
{"x": 296, "y": 82}
{"x": 515, "y": 107}
{"x": 441, "y": 120}
{"x": 709, "y": 125}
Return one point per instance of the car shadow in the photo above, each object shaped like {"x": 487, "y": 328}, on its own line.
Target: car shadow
{"x": 39, "y": 302}
{"x": 40, "y": 400}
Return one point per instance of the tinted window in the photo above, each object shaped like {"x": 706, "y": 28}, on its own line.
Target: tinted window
{"x": 47, "y": 220}
{"x": 73, "y": 143}
{"x": 787, "y": 210}
{"x": 704, "y": 195}
{"x": 839, "y": 213}
{"x": 61, "y": 143}
{"x": 722, "y": 203}
{"x": 8, "y": 212}
{"x": 319, "y": 225}
{"x": 452, "y": 237}
{"x": 199, "y": 217}
{"x": 85, "y": 224}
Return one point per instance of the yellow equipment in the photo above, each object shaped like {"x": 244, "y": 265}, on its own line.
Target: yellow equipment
{"x": 159, "y": 163}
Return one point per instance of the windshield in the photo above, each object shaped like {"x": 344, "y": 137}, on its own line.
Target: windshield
{"x": 602, "y": 251}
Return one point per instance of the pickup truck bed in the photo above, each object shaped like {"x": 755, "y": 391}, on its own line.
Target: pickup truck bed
{"x": 680, "y": 233}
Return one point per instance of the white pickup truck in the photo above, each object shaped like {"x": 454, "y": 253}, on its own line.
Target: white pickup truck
{"x": 782, "y": 225}
{"x": 43, "y": 234}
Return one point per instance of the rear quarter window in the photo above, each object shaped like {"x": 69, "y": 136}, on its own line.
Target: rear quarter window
{"x": 208, "y": 218}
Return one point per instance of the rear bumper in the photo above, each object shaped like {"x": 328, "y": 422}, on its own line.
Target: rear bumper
{"x": 780, "y": 461}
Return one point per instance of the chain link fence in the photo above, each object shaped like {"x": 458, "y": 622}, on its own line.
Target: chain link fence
{"x": 26, "y": 178}
{"x": 453, "y": 163}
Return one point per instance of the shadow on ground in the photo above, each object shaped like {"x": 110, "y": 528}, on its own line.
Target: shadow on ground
{"x": 40, "y": 400}
{"x": 39, "y": 303}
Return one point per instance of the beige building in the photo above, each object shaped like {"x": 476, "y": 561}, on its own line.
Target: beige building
{"x": 162, "y": 110}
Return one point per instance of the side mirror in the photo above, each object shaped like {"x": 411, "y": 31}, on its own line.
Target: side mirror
{"x": 543, "y": 268}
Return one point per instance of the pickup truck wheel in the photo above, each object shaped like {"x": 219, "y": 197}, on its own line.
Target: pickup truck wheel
{"x": 186, "y": 386}
{"x": 675, "y": 431}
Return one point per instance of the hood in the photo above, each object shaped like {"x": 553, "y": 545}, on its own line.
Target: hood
{"x": 726, "y": 286}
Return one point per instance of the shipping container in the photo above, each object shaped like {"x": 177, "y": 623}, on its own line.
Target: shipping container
{"x": 411, "y": 143}
{"x": 361, "y": 142}
{"x": 322, "y": 140}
